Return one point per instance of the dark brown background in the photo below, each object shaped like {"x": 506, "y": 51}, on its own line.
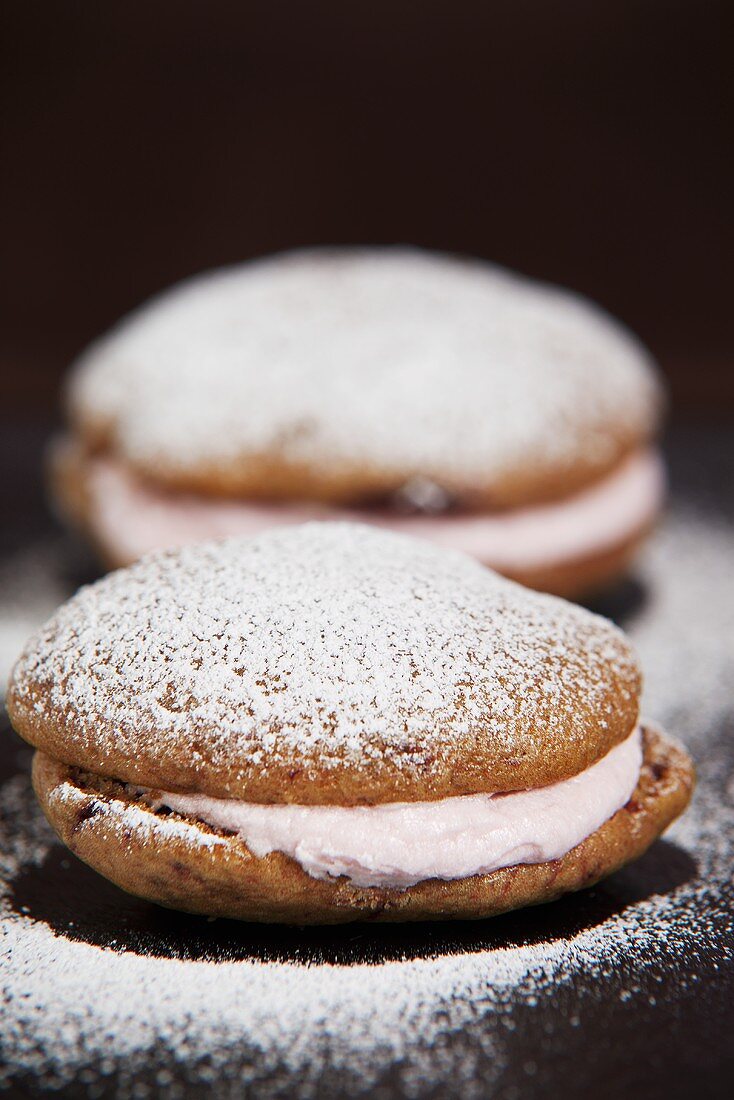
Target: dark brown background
{"x": 587, "y": 143}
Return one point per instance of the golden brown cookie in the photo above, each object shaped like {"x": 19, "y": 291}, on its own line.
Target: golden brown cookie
{"x": 330, "y": 663}
{"x": 340, "y": 375}
{"x": 332, "y": 682}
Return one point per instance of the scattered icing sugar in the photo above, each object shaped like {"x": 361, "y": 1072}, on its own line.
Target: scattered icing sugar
{"x": 686, "y": 576}
{"x": 326, "y": 641}
{"x": 412, "y": 364}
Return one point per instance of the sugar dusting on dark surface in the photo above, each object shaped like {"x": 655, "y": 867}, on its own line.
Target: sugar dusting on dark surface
{"x": 626, "y": 989}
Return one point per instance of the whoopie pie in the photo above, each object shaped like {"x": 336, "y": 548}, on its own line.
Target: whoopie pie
{"x": 434, "y": 396}
{"x": 330, "y": 722}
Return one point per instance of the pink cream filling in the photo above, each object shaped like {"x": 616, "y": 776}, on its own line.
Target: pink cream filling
{"x": 134, "y": 518}
{"x": 401, "y": 843}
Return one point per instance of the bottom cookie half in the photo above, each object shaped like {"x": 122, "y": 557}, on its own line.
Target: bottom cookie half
{"x": 184, "y": 864}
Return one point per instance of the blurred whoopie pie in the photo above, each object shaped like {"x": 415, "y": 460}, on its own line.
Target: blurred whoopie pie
{"x": 436, "y": 396}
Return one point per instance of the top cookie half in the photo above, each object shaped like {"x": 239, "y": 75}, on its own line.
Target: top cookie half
{"x": 329, "y": 663}
{"x": 342, "y": 375}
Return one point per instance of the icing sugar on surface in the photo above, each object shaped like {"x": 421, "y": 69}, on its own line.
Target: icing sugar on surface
{"x": 392, "y": 359}
{"x": 328, "y": 641}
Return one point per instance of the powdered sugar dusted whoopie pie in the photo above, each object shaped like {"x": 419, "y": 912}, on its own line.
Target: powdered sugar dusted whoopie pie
{"x": 439, "y": 397}
{"x": 330, "y": 722}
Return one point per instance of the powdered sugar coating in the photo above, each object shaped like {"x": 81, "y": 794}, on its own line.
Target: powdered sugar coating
{"x": 126, "y": 818}
{"x": 326, "y": 649}
{"x": 393, "y": 361}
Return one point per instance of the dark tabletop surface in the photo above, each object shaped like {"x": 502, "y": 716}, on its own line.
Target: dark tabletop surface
{"x": 623, "y": 990}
